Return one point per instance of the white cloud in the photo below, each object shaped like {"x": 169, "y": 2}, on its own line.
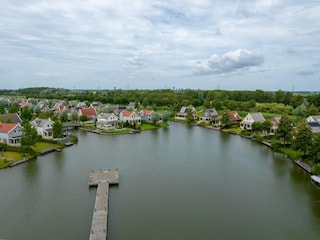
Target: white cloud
{"x": 239, "y": 59}
{"x": 303, "y": 72}
{"x": 79, "y": 39}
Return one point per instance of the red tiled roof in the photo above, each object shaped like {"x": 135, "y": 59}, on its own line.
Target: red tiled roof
{"x": 146, "y": 112}
{"x": 234, "y": 116}
{"x": 88, "y": 111}
{"x": 126, "y": 113}
{"x": 7, "y": 127}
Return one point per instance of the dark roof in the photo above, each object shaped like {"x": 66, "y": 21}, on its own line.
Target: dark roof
{"x": 10, "y": 117}
{"x": 257, "y": 117}
{"x": 314, "y": 124}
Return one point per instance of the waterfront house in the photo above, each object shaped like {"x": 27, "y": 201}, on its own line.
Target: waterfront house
{"x": 10, "y": 118}
{"x": 314, "y": 123}
{"x": 246, "y": 123}
{"x": 107, "y": 121}
{"x": 11, "y": 133}
{"x": 234, "y": 116}
{"x": 275, "y": 121}
{"x": 130, "y": 117}
{"x": 182, "y": 115}
{"x": 146, "y": 115}
{"x": 43, "y": 127}
{"x": 89, "y": 112}
{"x": 209, "y": 115}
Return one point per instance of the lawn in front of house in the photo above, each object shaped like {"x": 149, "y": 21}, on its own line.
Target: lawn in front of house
{"x": 6, "y": 158}
{"x": 39, "y": 146}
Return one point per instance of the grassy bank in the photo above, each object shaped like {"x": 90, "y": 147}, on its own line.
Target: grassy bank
{"x": 7, "y": 158}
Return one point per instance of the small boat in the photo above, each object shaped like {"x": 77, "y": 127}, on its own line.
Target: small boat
{"x": 315, "y": 179}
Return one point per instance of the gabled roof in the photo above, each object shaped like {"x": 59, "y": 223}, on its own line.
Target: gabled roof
{"x": 257, "y": 117}
{"x": 10, "y": 117}
{"x": 8, "y": 127}
{"x": 234, "y": 116}
{"x": 106, "y": 115}
{"x": 210, "y": 113}
{"x": 40, "y": 122}
{"x": 184, "y": 110}
{"x": 132, "y": 104}
{"x": 315, "y": 118}
{"x": 146, "y": 112}
{"x": 126, "y": 113}
{"x": 276, "y": 119}
{"x": 88, "y": 111}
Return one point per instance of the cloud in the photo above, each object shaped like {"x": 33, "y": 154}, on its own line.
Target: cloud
{"x": 229, "y": 62}
{"x": 79, "y": 39}
{"x": 302, "y": 72}
{"x": 136, "y": 61}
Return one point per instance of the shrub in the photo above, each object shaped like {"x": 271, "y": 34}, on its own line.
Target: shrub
{"x": 316, "y": 169}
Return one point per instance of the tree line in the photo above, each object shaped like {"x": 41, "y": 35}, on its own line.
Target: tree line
{"x": 172, "y": 98}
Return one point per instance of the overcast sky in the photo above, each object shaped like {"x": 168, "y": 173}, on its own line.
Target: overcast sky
{"x": 145, "y": 44}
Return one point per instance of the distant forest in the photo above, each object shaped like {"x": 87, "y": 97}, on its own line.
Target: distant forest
{"x": 174, "y": 99}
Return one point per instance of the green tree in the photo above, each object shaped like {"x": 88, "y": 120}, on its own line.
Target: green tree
{"x": 313, "y": 110}
{"x": 257, "y": 127}
{"x": 2, "y": 109}
{"x": 284, "y": 130}
{"x": 314, "y": 151}
{"x": 225, "y": 118}
{"x": 14, "y": 108}
{"x": 207, "y": 103}
{"x": 266, "y": 126}
{"x": 190, "y": 117}
{"x": 26, "y": 114}
{"x": 155, "y": 117}
{"x": 74, "y": 116}
{"x": 37, "y": 110}
{"x": 57, "y": 129}
{"x": 83, "y": 118}
{"x": 63, "y": 116}
{"x": 165, "y": 116}
{"x": 29, "y": 134}
{"x": 303, "y": 137}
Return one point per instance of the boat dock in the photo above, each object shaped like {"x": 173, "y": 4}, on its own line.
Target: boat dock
{"x": 304, "y": 166}
{"x": 102, "y": 179}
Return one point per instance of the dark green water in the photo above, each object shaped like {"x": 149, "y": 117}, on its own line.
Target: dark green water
{"x": 176, "y": 183}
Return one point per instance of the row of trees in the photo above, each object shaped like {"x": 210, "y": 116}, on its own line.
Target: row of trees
{"x": 167, "y": 97}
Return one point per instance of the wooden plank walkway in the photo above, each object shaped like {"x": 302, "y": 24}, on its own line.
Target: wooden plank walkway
{"x": 99, "y": 224}
{"x": 304, "y": 166}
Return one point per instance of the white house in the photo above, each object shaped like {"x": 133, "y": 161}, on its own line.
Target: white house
{"x": 247, "y": 122}
{"x": 107, "y": 121}
{"x": 182, "y": 115}
{"x": 146, "y": 114}
{"x": 43, "y": 127}
{"x": 10, "y": 133}
{"x": 314, "y": 123}
{"x": 130, "y": 117}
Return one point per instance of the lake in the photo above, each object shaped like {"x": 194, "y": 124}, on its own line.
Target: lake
{"x": 179, "y": 182}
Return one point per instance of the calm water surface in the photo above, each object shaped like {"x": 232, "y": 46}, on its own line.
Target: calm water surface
{"x": 176, "y": 183}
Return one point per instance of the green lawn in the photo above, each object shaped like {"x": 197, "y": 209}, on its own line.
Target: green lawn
{"x": 42, "y": 145}
{"x": 150, "y": 126}
{"x": 291, "y": 153}
{"x": 117, "y": 131}
{"x": 6, "y": 158}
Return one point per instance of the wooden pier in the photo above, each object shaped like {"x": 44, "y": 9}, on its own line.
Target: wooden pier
{"x": 102, "y": 179}
{"x": 304, "y": 166}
